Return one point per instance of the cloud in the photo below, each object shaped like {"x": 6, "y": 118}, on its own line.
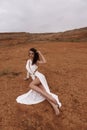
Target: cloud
{"x": 42, "y": 15}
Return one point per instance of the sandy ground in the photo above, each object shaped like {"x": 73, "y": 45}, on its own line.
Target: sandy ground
{"x": 66, "y": 72}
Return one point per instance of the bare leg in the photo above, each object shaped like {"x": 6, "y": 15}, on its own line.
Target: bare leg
{"x": 55, "y": 107}
{"x": 36, "y": 85}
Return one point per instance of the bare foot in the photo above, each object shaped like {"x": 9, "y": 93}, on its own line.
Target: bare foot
{"x": 57, "y": 111}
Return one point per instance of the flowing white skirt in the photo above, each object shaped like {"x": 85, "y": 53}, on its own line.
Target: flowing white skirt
{"x": 33, "y": 97}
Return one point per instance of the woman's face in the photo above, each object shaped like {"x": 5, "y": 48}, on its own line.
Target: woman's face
{"x": 31, "y": 54}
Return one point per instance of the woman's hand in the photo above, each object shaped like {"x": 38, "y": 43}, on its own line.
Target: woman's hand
{"x": 39, "y": 52}
{"x": 26, "y": 79}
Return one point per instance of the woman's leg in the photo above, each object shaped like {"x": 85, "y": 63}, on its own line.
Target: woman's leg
{"x": 34, "y": 85}
{"x": 55, "y": 107}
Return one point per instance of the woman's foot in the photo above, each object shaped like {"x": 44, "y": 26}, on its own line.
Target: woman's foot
{"x": 57, "y": 111}
{"x": 59, "y": 105}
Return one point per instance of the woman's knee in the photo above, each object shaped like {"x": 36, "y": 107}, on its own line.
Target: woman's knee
{"x": 34, "y": 83}
{"x": 31, "y": 85}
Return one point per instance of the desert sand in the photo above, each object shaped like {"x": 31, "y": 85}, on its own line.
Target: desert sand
{"x": 66, "y": 73}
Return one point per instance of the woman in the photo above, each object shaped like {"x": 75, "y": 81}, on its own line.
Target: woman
{"x": 39, "y": 87}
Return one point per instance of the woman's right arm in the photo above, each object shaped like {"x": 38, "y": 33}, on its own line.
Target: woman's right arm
{"x": 42, "y": 58}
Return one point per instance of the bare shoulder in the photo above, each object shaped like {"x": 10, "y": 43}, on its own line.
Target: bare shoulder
{"x": 28, "y": 59}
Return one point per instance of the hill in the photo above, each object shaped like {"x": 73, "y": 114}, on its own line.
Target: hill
{"x": 76, "y": 35}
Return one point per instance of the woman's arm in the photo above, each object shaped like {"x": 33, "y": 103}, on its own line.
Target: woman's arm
{"x": 27, "y": 67}
{"x": 42, "y": 58}
{"x": 27, "y": 76}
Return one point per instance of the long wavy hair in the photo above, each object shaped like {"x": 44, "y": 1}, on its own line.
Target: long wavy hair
{"x": 36, "y": 55}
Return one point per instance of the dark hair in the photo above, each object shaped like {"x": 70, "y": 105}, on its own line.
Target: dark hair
{"x": 36, "y": 55}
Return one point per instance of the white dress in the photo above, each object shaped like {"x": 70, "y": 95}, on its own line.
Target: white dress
{"x": 33, "y": 97}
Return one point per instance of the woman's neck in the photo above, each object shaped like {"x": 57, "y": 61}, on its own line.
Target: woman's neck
{"x": 31, "y": 59}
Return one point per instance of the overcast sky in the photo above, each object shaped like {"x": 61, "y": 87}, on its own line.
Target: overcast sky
{"x": 42, "y": 15}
